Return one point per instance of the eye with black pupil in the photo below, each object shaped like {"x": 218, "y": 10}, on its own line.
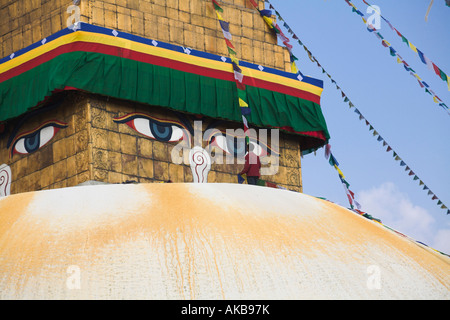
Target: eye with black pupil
{"x": 160, "y": 131}
{"x": 32, "y": 142}
{"x": 236, "y": 146}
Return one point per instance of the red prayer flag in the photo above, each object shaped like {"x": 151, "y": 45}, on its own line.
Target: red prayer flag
{"x": 254, "y": 3}
{"x": 436, "y": 69}
{"x": 229, "y": 44}
{"x": 240, "y": 85}
{"x": 271, "y": 185}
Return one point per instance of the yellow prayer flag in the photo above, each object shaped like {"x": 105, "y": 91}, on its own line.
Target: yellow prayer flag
{"x": 242, "y": 103}
{"x": 398, "y": 60}
{"x": 435, "y": 99}
{"x": 340, "y": 172}
{"x": 234, "y": 59}
{"x": 268, "y": 21}
{"x": 413, "y": 47}
{"x": 219, "y": 16}
{"x": 294, "y": 68}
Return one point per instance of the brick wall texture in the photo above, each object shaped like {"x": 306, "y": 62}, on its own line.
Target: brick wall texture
{"x": 93, "y": 146}
{"x": 191, "y": 23}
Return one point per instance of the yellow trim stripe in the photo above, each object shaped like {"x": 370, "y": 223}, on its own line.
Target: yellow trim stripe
{"x": 156, "y": 51}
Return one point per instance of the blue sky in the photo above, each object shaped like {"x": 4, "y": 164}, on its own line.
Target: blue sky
{"x": 392, "y": 101}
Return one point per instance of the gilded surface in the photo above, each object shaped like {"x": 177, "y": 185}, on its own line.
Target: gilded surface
{"x": 204, "y": 241}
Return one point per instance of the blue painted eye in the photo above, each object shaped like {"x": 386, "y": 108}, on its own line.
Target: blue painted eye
{"x": 165, "y": 132}
{"x": 32, "y": 141}
{"x": 230, "y": 144}
{"x": 161, "y": 130}
{"x": 236, "y": 146}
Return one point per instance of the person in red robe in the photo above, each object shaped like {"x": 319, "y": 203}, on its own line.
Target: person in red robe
{"x": 252, "y": 166}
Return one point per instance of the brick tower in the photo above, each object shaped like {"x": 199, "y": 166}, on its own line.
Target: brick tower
{"x": 69, "y": 114}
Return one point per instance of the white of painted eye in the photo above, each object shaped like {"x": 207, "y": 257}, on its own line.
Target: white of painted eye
{"x": 257, "y": 148}
{"x": 221, "y": 142}
{"x": 142, "y": 125}
{"x": 46, "y": 134}
{"x": 177, "y": 133}
{"x": 20, "y": 146}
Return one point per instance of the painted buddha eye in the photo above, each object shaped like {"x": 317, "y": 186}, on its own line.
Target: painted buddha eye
{"x": 157, "y": 129}
{"x": 236, "y": 145}
{"x": 231, "y": 145}
{"x": 35, "y": 139}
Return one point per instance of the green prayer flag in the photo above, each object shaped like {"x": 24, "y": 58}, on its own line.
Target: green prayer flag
{"x": 261, "y": 182}
{"x": 231, "y": 51}
{"x": 217, "y": 7}
{"x": 346, "y": 183}
{"x": 242, "y": 94}
{"x": 443, "y": 75}
{"x": 405, "y": 40}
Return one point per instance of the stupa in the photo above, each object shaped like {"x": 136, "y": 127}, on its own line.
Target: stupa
{"x": 123, "y": 128}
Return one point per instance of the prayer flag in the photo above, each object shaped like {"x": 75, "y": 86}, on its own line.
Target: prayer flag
{"x": 245, "y": 111}
{"x": 242, "y": 103}
{"x": 216, "y": 6}
{"x": 266, "y": 13}
{"x": 254, "y": 3}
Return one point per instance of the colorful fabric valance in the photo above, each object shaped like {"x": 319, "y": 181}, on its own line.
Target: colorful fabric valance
{"x": 125, "y": 66}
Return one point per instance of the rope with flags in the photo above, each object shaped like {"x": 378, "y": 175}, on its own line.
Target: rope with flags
{"x": 332, "y": 160}
{"x": 400, "y": 60}
{"x": 238, "y": 75}
{"x": 266, "y": 15}
{"x": 375, "y": 133}
{"x": 430, "y": 64}
{"x": 350, "y": 194}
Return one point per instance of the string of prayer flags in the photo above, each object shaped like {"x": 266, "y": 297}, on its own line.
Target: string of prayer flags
{"x": 238, "y": 75}
{"x": 243, "y": 177}
{"x": 392, "y": 52}
{"x": 400, "y": 60}
{"x": 217, "y": 7}
{"x": 431, "y": 65}
{"x": 335, "y": 164}
{"x": 225, "y": 29}
{"x": 266, "y": 15}
{"x": 361, "y": 116}
{"x": 401, "y": 161}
